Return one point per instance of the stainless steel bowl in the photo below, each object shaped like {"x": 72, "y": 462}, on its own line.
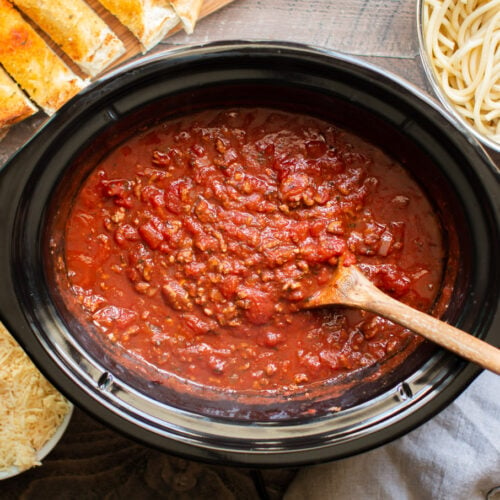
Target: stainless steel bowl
{"x": 438, "y": 90}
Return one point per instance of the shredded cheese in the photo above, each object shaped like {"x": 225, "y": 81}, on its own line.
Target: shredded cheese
{"x": 30, "y": 408}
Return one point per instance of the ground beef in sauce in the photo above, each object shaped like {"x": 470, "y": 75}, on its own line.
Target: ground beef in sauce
{"x": 193, "y": 244}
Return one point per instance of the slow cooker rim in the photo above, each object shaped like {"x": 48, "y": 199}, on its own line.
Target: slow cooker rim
{"x": 466, "y": 375}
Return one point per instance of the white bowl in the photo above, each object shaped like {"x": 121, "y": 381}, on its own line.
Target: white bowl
{"x": 45, "y": 449}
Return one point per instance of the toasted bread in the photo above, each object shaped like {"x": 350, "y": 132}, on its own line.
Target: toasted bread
{"x": 78, "y": 30}
{"x": 14, "y": 104}
{"x": 148, "y": 20}
{"x": 32, "y": 64}
{"x": 188, "y": 11}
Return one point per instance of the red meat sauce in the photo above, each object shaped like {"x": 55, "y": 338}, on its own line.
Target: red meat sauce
{"x": 194, "y": 244}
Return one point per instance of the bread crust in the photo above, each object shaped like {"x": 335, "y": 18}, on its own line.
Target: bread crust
{"x": 188, "y": 11}
{"x": 148, "y": 20}
{"x": 14, "y": 104}
{"x": 78, "y": 30}
{"x": 33, "y": 64}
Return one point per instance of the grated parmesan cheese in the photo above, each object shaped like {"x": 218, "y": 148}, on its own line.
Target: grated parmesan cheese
{"x": 30, "y": 408}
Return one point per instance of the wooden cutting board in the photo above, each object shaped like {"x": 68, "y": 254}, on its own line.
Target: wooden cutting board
{"x": 131, "y": 44}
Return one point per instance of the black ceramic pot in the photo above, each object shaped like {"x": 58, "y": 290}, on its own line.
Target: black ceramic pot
{"x": 238, "y": 428}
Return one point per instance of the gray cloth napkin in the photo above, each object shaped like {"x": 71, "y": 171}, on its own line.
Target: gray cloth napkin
{"x": 454, "y": 456}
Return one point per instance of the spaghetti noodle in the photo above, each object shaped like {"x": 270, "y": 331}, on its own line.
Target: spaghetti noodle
{"x": 462, "y": 40}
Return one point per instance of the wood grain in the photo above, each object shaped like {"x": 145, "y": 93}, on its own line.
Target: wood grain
{"x": 375, "y": 28}
{"x": 350, "y": 287}
{"x": 93, "y": 462}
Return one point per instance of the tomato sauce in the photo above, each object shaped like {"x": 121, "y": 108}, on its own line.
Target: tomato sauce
{"x": 193, "y": 245}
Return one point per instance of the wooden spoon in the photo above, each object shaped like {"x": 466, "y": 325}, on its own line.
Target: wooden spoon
{"x": 350, "y": 287}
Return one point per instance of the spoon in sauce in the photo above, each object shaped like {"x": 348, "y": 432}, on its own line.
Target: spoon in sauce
{"x": 350, "y": 287}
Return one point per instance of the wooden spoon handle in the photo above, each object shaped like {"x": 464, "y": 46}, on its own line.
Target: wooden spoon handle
{"x": 369, "y": 297}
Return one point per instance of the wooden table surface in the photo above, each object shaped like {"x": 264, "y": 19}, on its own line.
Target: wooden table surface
{"x": 92, "y": 461}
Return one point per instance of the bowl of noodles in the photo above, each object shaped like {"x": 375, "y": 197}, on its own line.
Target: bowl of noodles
{"x": 460, "y": 51}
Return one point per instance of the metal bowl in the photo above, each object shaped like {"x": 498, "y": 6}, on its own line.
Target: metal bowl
{"x": 301, "y": 428}
{"x": 438, "y": 90}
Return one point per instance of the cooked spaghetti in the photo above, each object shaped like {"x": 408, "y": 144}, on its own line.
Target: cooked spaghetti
{"x": 462, "y": 40}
